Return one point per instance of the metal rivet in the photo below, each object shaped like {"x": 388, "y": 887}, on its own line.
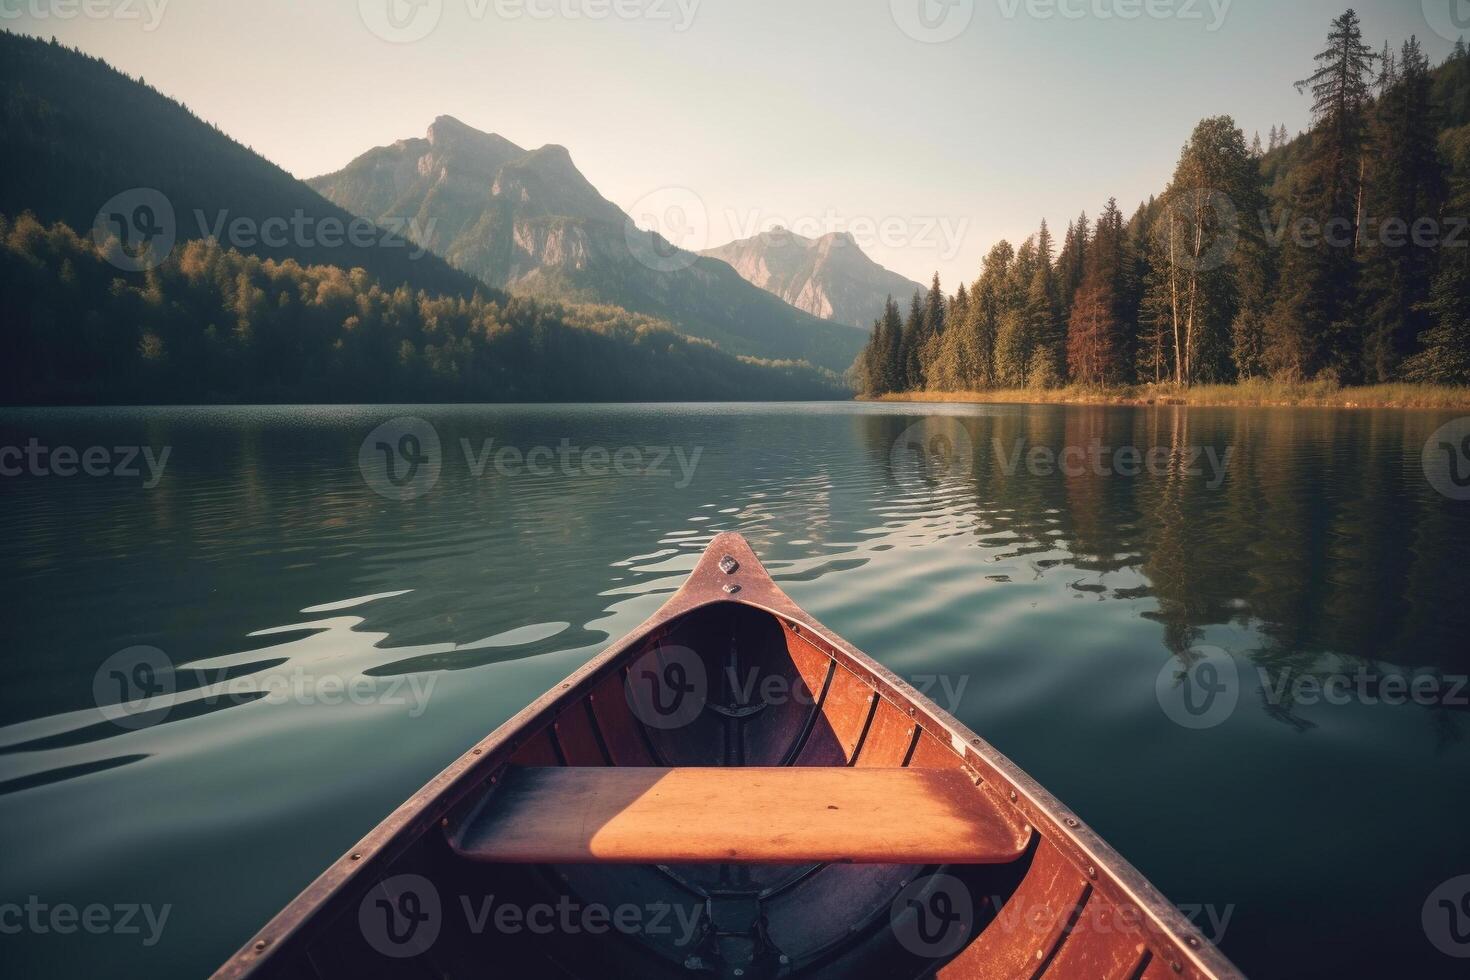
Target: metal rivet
{"x": 1091, "y": 871}
{"x": 1071, "y": 822}
{"x": 1013, "y": 796}
{"x": 262, "y": 944}
{"x": 477, "y": 752}
{"x": 1192, "y": 941}
{"x": 731, "y": 589}
{"x": 356, "y": 856}
{"x": 729, "y": 565}
{"x": 1177, "y": 967}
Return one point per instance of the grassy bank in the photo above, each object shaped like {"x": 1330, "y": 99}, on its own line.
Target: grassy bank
{"x": 1246, "y": 393}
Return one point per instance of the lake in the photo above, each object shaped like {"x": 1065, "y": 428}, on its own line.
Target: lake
{"x": 327, "y": 605}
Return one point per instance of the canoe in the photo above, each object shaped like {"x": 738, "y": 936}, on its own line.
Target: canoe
{"x": 733, "y": 790}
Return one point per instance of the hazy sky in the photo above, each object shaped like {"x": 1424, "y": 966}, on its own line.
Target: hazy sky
{"x": 824, "y": 115}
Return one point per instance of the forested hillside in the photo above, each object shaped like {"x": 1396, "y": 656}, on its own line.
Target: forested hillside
{"x": 77, "y": 131}
{"x": 213, "y": 325}
{"x": 1342, "y": 255}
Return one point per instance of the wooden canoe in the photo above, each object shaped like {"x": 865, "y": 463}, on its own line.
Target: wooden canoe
{"x": 731, "y": 791}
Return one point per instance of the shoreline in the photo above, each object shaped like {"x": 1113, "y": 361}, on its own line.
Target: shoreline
{"x": 1248, "y": 395}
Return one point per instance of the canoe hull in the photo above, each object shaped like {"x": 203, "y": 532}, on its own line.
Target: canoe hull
{"x": 730, "y": 673}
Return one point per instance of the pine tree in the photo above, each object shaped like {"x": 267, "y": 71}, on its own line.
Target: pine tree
{"x": 988, "y": 304}
{"x": 1092, "y": 352}
{"x": 1408, "y": 185}
{"x": 1311, "y": 327}
{"x": 1256, "y": 151}
{"x": 1072, "y": 264}
{"x": 894, "y": 372}
{"x": 911, "y": 347}
{"x": 869, "y": 380}
{"x": 1445, "y": 357}
{"x": 1013, "y": 337}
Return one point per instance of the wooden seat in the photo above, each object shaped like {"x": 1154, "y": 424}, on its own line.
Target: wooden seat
{"x": 739, "y": 816}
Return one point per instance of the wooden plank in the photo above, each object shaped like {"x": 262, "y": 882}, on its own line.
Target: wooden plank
{"x": 620, "y": 730}
{"x": 578, "y": 743}
{"x": 839, "y": 726}
{"x": 1028, "y": 928}
{"x": 739, "y": 816}
{"x": 891, "y": 735}
{"x": 1100, "y": 944}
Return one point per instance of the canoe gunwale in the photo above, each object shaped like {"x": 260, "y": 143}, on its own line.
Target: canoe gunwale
{"x": 460, "y": 786}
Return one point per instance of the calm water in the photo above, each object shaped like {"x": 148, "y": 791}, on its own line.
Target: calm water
{"x": 1044, "y": 607}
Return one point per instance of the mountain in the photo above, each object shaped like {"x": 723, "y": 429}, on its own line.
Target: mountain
{"x": 530, "y": 222}
{"x": 829, "y": 277}
{"x": 77, "y": 132}
{"x": 265, "y": 297}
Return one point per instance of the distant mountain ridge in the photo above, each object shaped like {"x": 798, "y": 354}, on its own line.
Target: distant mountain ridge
{"x": 829, "y": 277}
{"x": 275, "y": 315}
{"x": 530, "y": 222}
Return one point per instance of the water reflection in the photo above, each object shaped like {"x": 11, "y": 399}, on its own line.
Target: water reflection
{"x": 263, "y": 565}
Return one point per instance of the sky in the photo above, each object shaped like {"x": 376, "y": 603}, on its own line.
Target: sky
{"x": 929, "y": 129}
